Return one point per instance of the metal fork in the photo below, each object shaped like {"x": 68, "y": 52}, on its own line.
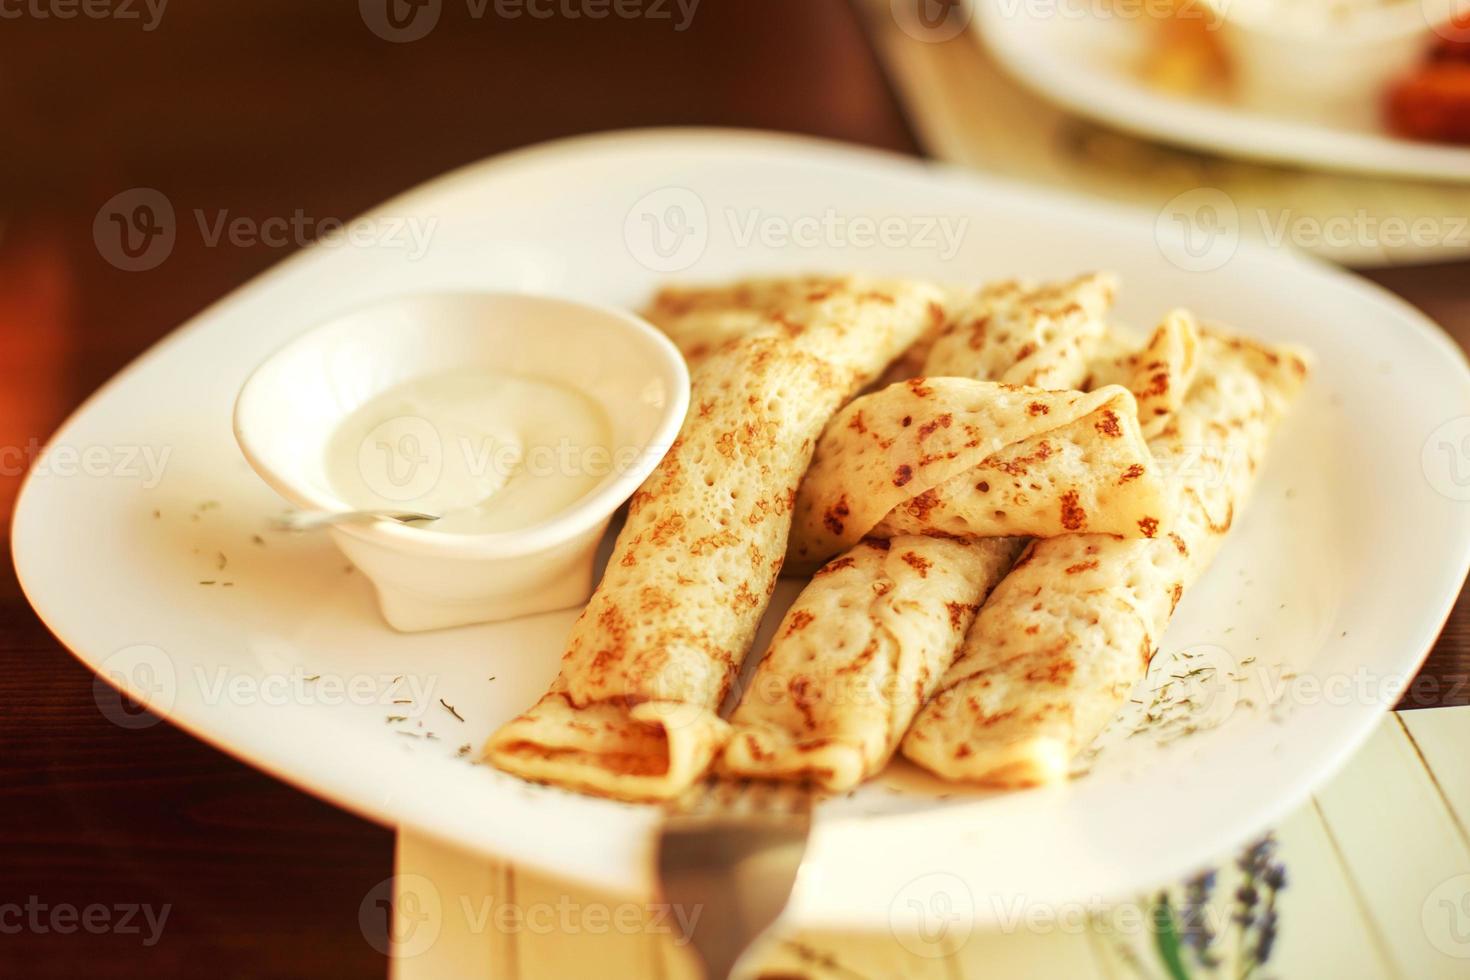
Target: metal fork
{"x": 729, "y": 854}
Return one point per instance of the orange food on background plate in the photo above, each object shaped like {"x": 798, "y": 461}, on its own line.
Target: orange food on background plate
{"x": 1433, "y": 103}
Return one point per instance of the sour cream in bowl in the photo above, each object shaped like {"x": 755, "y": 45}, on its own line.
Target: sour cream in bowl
{"x": 521, "y": 422}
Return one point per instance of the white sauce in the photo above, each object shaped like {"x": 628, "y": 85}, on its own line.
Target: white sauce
{"x": 485, "y": 450}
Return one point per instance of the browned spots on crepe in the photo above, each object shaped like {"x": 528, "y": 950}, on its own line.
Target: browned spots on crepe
{"x": 1081, "y": 566}
{"x": 978, "y": 327}
{"x": 1058, "y": 671}
{"x": 1038, "y": 408}
{"x": 920, "y": 387}
{"x": 921, "y": 505}
{"x": 918, "y": 563}
{"x": 711, "y": 543}
{"x": 1021, "y": 465}
{"x": 903, "y": 475}
{"x": 836, "y": 565}
{"x": 1108, "y": 424}
{"x": 805, "y": 694}
{"x": 666, "y": 530}
{"x": 1133, "y": 472}
{"x": 934, "y": 425}
{"x": 1074, "y": 518}
{"x": 960, "y": 613}
{"x": 799, "y": 621}
{"x": 832, "y": 520}
{"x": 652, "y": 599}
{"x": 1216, "y": 528}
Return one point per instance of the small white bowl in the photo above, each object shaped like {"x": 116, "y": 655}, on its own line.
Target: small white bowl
{"x": 290, "y": 406}
{"x": 1327, "y": 68}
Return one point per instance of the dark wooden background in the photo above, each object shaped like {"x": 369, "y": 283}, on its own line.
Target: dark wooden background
{"x": 262, "y": 108}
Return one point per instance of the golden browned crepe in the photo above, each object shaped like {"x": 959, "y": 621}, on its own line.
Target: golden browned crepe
{"x": 1016, "y": 331}
{"x": 864, "y": 644}
{"x": 857, "y": 655}
{"x": 1158, "y": 374}
{"x": 632, "y": 713}
{"x": 1024, "y": 333}
{"x": 987, "y": 459}
{"x": 1060, "y": 642}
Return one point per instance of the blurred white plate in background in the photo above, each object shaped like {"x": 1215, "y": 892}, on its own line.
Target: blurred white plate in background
{"x": 1079, "y": 55}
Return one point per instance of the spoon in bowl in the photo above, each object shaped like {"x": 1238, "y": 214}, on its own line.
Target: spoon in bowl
{"x": 310, "y": 520}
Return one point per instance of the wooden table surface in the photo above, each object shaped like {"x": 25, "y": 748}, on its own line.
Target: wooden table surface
{"x": 264, "y": 110}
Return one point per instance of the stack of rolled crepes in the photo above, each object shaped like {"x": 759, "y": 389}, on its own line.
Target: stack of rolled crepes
{"x": 1058, "y": 645}
{"x": 1027, "y": 420}
{"x": 633, "y": 712}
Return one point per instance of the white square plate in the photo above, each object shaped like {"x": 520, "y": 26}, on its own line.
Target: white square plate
{"x": 1325, "y": 599}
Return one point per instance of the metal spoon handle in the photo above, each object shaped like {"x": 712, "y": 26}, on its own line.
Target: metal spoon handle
{"x": 310, "y": 520}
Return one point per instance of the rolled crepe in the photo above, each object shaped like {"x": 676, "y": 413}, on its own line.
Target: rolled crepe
{"x": 1023, "y": 333}
{"x": 861, "y": 649}
{"x": 702, "y": 320}
{"x": 857, "y": 655}
{"x": 632, "y": 712}
{"x": 1015, "y": 331}
{"x": 1061, "y": 641}
{"x": 1159, "y": 374}
{"x": 987, "y": 459}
